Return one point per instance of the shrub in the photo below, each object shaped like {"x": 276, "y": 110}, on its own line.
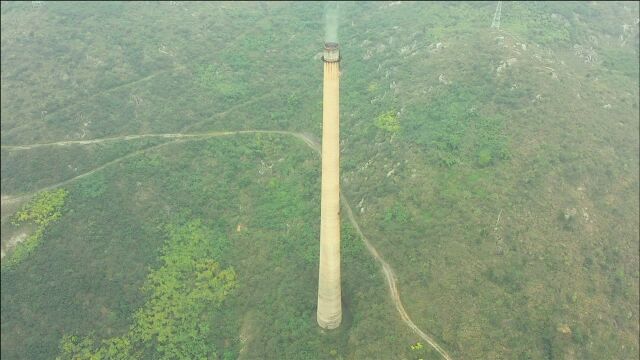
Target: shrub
{"x": 389, "y": 122}
{"x": 187, "y": 285}
{"x": 43, "y": 209}
{"x": 485, "y": 157}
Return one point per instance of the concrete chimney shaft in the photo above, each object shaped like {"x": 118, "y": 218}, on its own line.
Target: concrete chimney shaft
{"x": 329, "y": 289}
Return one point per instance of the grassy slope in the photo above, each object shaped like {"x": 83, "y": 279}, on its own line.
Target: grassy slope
{"x": 505, "y": 291}
{"x": 94, "y": 263}
{"x": 485, "y": 290}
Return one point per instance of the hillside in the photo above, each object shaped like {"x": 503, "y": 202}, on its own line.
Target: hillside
{"x": 161, "y": 181}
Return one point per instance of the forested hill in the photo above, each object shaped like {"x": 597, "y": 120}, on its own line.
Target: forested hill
{"x": 495, "y": 169}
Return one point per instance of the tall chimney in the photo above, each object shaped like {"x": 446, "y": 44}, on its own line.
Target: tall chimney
{"x": 329, "y": 289}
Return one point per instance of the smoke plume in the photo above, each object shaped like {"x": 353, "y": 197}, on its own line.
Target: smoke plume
{"x": 331, "y": 23}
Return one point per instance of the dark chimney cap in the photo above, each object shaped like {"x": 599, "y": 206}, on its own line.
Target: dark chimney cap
{"x": 330, "y": 45}
{"x": 331, "y": 52}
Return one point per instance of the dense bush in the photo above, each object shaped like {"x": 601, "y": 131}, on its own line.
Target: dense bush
{"x": 43, "y": 209}
{"x": 168, "y": 326}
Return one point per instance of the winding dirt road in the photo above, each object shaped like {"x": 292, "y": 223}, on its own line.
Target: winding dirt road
{"x": 176, "y": 137}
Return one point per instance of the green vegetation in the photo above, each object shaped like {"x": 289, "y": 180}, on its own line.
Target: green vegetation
{"x": 496, "y": 171}
{"x": 70, "y": 161}
{"x": 168, "y": 326}
{"x": 389, "y": 122}
{"x": 219, "y": 82}
{"x": 485, "y": 157}
{"x": 264, "y": 226}
{"x": 452, "y": 127}
{"x": 43, "y": 209}
{"x": 93, "y": 186}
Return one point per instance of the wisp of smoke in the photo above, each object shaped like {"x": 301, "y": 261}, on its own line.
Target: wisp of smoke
{"x": 331, "y": 23}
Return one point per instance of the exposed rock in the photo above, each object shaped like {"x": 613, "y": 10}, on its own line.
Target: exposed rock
{"x": 434, "y": 47}
{"x": 264, "y": 168}
{"x": 505, "y": 64}
{"x": 391, "y": 4}
{"x": 538, "y": 98}
{"x": 13, "y": 242}
{"x": 588, "y": 55}
{"x": 564, "y": 329}
{"x": 365, "y": 43}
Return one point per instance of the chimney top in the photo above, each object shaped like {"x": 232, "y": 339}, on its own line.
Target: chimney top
{"x": 331, "y": 52}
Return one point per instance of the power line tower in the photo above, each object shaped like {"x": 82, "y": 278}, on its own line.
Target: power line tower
{"x": 496, "y": 16}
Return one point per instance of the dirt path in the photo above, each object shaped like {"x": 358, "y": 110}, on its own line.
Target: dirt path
{"x": 391, "y": 282}
{"x": 386, "y": 268}
{"x": 97, "y": 94}
{"x": 306, "y": 138}
{"x": 227, "y": 111}
{"x": 117, "y": 138}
